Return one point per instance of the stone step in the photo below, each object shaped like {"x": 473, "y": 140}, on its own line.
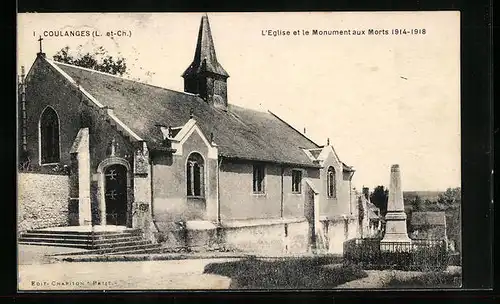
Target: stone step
{"x": 100, "y": 242}
{"x": 123, "y": 244}
{"x": 119, "y": 250}
{"x": 55, "y": 245}
{"x": 112, "y": 248}
{"x": 65, "y": 236}
{"x": 30, "y": 239}
{"x": 87, "y": 242}
{"x": 156, "y": 249}
{"x": 84, "y": 233}
{"x": 68, "y": 237}
{"x": 83, "y": 239}
{"x": 118, "y": 239}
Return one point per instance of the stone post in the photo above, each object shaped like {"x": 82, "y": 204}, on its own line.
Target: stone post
{"x": 141, "y": 207}
{"x": 395, "y": 230}
{"x": 80, "y": 152}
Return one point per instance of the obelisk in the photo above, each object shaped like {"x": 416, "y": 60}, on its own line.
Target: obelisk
{"x": 395, "y": 218}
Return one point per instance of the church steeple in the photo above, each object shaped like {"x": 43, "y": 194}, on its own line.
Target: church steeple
{"x": 205, "y": 76}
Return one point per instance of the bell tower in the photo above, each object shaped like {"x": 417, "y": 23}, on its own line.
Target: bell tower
{"x": 205, "y": 76}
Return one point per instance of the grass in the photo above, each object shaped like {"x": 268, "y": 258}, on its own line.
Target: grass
{"x": 286, "y": 273}
{"x": 426, "y": 280}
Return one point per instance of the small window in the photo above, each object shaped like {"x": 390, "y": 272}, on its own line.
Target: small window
{"x": 195, "y": 177}
{"x": 330, "y": 183}
{"x": 258, "y": 178}
{"x": 49, "y": 136}
{"x": 296, "y": 181}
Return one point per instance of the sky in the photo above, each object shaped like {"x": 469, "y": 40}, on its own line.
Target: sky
{"x": 379, "y": 99}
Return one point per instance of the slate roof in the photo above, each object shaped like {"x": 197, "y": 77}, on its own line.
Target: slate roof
{"x": 347, "y": 168}
{"x": 428, "y": 219}
{"x": 317, "y": 151}
{"x": 239, "y": 133}
{"x": 205, "y": 59}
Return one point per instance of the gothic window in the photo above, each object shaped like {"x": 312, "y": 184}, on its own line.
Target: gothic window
{"x": 195, "y": 177}
{"x": 296, "y": 181}
{"x": 330, "y": 182}
{"x": 258, "y": 178}
{"x": 49, "y": 136}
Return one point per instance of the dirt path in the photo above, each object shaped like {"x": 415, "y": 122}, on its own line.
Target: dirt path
{"x": 154, "y": 275}
{"x": 380, "y": 278}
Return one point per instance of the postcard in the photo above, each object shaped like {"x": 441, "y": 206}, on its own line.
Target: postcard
{"x": 201, "y": 151}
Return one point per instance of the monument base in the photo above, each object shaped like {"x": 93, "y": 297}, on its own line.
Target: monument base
{"x": 396, "y": 236}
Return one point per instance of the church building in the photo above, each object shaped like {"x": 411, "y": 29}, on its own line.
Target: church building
{"x": 162, "y": 161}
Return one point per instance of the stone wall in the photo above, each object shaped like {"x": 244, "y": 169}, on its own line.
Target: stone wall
{"x": 339, "y": 231}
{"x": 42, "y": 201}
{"x": 268, "y": 237}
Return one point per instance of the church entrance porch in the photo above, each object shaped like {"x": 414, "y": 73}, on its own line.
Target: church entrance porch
{"x": 115, "y": 192}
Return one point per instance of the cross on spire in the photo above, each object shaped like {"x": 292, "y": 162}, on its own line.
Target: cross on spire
{"x": 40, "y": 41}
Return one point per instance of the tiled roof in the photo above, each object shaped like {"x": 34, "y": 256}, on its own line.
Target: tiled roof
{"x": 428, "y": 218}
{"x": 239, "y": 132}
{"x": 347, "y": 168}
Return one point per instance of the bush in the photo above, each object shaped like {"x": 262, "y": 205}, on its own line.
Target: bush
{"x": 420, "y": 255}
{"x": 430, "y": 279}
{"x": 285, "y": 273}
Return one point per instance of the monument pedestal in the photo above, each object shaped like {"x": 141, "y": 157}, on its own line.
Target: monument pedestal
{"x": 395, "y": 228}
{"x": 396, "y": 235}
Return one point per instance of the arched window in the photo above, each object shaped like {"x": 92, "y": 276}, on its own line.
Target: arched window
{"x": 49, "y": 136}
{"x": 330, "y": 182}
{"x": 195, "y": 176}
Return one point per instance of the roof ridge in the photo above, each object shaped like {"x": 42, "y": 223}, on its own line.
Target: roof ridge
{"x": 119, "y": 77}
{"x": 293, "y": 128}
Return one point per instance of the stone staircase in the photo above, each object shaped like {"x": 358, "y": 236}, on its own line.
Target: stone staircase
{"x": 129, "y": 241}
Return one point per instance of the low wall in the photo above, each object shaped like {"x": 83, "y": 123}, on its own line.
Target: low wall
{"x": 42, "y": 201}
{"x": 267, "y": 236}
{"x": 338, "y": 234}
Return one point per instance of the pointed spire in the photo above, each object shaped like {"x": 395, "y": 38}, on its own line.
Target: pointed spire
{"x": 205, "y": 76}
{"x": 205, "y": 59}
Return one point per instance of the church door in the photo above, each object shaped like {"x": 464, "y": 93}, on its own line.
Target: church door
{"x": 116, "y": 195}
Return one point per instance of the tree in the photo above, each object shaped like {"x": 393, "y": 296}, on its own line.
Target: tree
{"x": 429, "y": 205}
{"x": 451, "y": 198}
{"x": 379, "y": 198}
{"x": 417, "y": 204}
{"x": 98, "y": 60}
